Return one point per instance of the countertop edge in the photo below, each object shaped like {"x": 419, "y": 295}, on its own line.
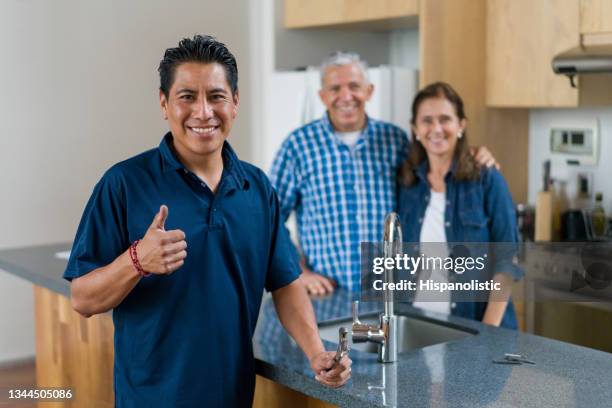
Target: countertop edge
{"x": 309, "y": 386}
{"x": 62, "y": 288}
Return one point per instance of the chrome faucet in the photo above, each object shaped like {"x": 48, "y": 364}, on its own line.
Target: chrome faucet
{"x": 385, "y": 334}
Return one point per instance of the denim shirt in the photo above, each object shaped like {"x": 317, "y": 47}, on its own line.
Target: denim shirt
{"x": 476, "y": 211}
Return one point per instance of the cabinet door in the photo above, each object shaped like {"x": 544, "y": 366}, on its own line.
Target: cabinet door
{"x": 377, "y": 14}
{"x": 595, "y": 16}
{"x": 522, "y": 38}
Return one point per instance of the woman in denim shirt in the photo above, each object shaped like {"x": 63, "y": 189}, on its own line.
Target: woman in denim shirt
{"x": 442, "y": 189}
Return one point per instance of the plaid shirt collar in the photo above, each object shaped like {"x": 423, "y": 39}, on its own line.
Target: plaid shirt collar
{"x": 367, "y": 132}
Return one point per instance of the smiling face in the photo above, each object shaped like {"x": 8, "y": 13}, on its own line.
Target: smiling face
{"x": 437, "y": 126}
{"x": 344, "y": 93}
{"x": 200, "y": 110}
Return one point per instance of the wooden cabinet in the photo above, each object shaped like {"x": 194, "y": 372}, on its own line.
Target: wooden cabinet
{"x": 452, "y": 45}
{"x": 595, "y": 16}
{"x": 73, "y": 352}
{"x": 360, "y": 14}
{"x": 523, "y": 36}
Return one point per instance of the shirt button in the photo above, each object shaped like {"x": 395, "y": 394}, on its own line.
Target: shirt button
{"x": 453, "y": 305}
{"x": 447, "y": 223}
{"x": 447, "y": 202}
{"x": 426, "y": 198}
{"x": 421, "y": 220}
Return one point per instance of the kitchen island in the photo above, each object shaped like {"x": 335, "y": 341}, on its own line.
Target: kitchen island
{"x": 74, "y": 352}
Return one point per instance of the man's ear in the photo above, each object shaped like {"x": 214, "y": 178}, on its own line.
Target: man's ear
{"x": 163, "y": 103}
{"x": 236, "y": 98}
{"x": 370, "y": 91}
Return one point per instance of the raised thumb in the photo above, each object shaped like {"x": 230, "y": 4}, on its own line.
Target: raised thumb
{"x": 160, "y": 218}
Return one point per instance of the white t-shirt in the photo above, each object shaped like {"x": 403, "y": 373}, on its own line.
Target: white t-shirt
{"x": 349, "y": 138}
{"x": 433, "y": 231}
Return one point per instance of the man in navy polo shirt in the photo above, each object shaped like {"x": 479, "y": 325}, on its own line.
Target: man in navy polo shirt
{"x": 180, "y": 242}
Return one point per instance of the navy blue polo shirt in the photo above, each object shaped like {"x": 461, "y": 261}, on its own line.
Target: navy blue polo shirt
{"x": 184, "y": 340}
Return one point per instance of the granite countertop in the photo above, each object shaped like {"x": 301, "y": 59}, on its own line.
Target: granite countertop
{"x": 455, "y": 374}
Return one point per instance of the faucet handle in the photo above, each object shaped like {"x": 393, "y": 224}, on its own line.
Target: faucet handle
{"x": 343, "y": 344}
{"x": 356, "y": 312}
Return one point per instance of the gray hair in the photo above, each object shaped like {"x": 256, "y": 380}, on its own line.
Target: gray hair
{"x": 339, "y": 58}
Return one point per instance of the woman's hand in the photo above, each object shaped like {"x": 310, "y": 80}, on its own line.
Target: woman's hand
{"x": 498, "y": 300}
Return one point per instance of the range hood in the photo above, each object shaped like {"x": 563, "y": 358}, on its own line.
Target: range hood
{"x": 583, "y": 60}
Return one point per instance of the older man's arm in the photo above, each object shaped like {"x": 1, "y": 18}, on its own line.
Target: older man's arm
{"x": 297, "y": 316}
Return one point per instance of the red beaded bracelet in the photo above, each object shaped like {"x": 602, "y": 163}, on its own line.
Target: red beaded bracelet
{"x": 134, "y": 256}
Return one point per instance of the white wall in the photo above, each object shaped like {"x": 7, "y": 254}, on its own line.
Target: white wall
{"x": 79, "y": 94}
{"x": 540, "y": 121}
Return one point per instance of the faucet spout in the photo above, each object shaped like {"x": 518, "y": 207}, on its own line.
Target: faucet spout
{"x": 392, "y": 245}
{"x": 385, "y": 334}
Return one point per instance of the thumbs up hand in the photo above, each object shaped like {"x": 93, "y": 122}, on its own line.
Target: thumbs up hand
{"x": 161, "y": 252}
{"x": 160, "y": 218}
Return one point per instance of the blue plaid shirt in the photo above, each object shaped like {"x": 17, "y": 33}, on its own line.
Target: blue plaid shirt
{"x": 341, "y": 195}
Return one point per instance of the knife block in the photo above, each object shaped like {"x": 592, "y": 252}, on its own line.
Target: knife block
{"x": 544, "y": 216}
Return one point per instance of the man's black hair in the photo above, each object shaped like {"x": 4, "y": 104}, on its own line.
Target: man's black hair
{"x": 200, "y": 48}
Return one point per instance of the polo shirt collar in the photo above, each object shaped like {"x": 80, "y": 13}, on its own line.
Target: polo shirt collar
{"x": 170, "y": 161}
{"x": 232, "y": 165}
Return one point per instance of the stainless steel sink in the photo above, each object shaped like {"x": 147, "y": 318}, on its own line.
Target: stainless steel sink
{"x": 413, "y": 332}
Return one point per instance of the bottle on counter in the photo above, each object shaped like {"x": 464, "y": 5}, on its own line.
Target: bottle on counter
{"x": 559, "y": 205}
{"x": 598, "y": 217}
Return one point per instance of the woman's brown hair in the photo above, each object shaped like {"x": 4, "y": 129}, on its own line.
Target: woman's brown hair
{"x": 466, "y": 167}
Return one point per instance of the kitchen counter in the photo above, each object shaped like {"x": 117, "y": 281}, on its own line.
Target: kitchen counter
{"x": 454, "y": 374}
{"x": 39, "y": 265}
{"x": 457, "y": 373}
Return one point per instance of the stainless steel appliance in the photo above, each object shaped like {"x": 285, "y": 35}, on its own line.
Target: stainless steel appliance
{"x": 559, "y": 300}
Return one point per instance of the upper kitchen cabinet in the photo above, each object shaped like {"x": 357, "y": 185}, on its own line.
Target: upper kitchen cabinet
{"x": 351, "y": 14}
{"x": 596, "y": 17}
{"x": 522, "y": 38}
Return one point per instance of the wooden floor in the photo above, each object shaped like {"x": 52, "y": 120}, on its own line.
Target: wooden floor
{"x": 17, "y": 376}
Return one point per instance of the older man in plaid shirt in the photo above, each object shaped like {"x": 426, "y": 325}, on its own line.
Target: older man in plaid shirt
{"x": 339, "y": 174}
